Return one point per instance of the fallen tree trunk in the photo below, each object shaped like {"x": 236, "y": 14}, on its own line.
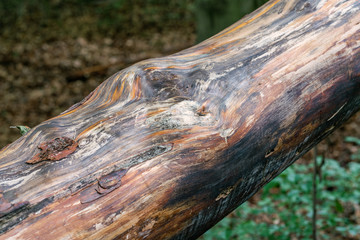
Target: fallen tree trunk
{"x": 167, "y": 147}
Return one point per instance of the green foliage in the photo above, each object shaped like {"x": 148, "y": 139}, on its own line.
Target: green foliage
{"x": 353, "y": 140}
{"x": 356, "y": 141}
{"x": 23, "y": 129}
{"x": 285, "y": 208}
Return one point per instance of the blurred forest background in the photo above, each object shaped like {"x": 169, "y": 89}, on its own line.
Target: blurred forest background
{"x": 55, "y": 52}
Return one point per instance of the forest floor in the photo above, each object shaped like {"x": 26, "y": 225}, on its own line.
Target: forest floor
{"x": 42, "y": 76}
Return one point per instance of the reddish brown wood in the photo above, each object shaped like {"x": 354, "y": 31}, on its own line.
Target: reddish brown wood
{"x": 169, "y": 146}
{"x": 54, "y": 150}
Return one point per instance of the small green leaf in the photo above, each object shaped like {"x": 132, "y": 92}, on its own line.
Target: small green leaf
{"x": 338, "y": 206}
{"x": 352, "y": 140}
{"x": 23, "y": 129}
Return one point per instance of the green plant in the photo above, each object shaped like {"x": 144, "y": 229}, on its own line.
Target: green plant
{"x": 284, "y": 211}
{"x": 355, "y": 140}
{"x": 23, "y": 129}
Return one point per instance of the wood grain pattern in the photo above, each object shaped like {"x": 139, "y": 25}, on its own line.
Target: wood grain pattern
{"x": 169, "y": 146}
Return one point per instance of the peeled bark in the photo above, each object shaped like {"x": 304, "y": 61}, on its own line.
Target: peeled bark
{"x": 166, "y": 148}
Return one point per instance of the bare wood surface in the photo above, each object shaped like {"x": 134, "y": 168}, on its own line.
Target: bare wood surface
{"x": 167, "y": 147}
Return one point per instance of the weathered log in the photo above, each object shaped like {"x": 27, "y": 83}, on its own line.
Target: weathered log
{"x": 167, "y": 147}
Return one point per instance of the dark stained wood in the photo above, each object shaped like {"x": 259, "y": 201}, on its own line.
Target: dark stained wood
{"x": 169, "y": 146}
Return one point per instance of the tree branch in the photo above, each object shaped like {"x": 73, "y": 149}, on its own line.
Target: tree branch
{"x": 166, "y": 148}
